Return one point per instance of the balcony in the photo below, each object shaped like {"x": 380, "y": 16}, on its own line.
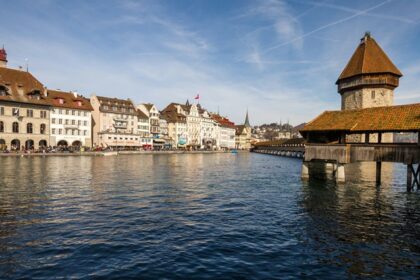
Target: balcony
{"x": 119, "y": 119}
{"x": 365, "y": 81}
{"x": 120, "y": 125}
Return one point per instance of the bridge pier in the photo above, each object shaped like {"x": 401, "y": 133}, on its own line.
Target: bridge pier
{"x": 340, "y": 174}
{"x": 378, "y": 173}
{"x": 413, "y": 177}
{"x": 305, "y": 170}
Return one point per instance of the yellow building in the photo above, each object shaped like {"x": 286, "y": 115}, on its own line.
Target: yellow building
{"x": 243, "y": 135}
{"x": 24, "y": 109}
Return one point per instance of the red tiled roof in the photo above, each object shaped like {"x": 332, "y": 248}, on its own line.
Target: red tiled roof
{"x": 123, "y": 106}
{"x": 369, "y": 58}
{"x": 69, "y": 100}
{"x": 20, "y": 84}
{"x": 224, "y": 122}
{"x": 378, "y": 119}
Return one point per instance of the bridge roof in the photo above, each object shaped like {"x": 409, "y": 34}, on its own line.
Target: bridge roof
{"x": 402, "y": 118}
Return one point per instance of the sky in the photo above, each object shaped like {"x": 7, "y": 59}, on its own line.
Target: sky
{"x": 278, "y": 59}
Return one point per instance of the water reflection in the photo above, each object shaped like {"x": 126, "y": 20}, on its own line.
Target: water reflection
{"x": 201, "y": 216}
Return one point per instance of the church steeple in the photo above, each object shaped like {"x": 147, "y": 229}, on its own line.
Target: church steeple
{"x": 247, "y": 120}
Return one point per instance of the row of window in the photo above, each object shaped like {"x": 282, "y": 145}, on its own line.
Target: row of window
{"x": 16, "y": 112}
{"x": 114, "y": 108}
{"x": 72, "y": 112}
{"x": 122, "y": 138}
{"x": 29, "y": 128}
{"x": 66, "y": 121}
{"x": 69, "y": 131}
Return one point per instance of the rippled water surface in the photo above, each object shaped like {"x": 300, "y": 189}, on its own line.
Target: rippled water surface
{"x": 202, "y": 216}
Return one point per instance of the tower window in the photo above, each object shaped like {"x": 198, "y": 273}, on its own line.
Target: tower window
{"x": 372, "y": 94}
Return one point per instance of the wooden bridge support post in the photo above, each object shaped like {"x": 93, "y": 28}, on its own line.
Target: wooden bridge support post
{"x": 378, "y": 173}
{"x": 305, "y": 170}
{"x": 340, "y": 174}
{"x": 409, "y": 178}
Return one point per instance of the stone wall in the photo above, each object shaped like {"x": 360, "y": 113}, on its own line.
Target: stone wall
{"x": 366, "y": 98}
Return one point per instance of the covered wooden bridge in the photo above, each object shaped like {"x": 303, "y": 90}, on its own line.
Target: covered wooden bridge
{"x": 284, "y": 147}
{"x": 349, "y": 136}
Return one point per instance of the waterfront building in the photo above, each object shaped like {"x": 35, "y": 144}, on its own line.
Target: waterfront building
{"x": 243, "y": 135}
{"x": 153, "y": 114}
{"x": 176, "y": 119}
{"x": 227, "y": 131}
{"x": 164, "y": 133}
{"x": 114, "y": 123}
{"x": 70, "y": 119}
{"x": 24, "y": 109}
{"x": 209, "y": 130}
{"x": 143, "y": 129}
{"x": 193, "y": 125}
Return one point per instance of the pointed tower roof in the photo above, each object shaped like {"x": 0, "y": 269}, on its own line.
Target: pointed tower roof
{"x": 3, "y": 54}
{"x": 247, "y": 120}
{"x": 369, "y": 58}
{"x": 188, "y": 102}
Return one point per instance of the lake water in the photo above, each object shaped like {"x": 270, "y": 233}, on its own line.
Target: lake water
{"x": 202, "y": 216}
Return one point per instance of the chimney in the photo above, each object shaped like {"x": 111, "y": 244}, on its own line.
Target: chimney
{"x": 3, "y": 57}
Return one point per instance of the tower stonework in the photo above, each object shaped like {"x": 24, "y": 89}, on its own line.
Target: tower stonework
{"x": 369, "y": 78}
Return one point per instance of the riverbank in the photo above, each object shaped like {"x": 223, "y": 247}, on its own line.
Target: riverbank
{"x": 115, "y": 153}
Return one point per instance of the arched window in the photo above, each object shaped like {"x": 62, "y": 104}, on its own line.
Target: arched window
{"x": 29, "y": 128}
{"x": 1, "y": 127}
{"x": 15, "y": 127}
{"x": 42, "y": 128}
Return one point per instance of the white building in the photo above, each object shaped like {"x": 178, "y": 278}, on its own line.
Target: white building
{"x": 143, "y": 129}
{"x": 209, "y": 130}
{"x": 227, "y": 131}
{"x": 70, "y": 119}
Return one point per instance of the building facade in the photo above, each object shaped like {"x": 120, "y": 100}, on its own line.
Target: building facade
{"x": 70, "y": 119}
{"x": 227, "y": 131}
{"x": 243, "y": 135}
{"x": 24, "y": 109}
{"x": 114, "y": 123}
{"x": 176, "y": 118}
{"x": 143, "y": 129}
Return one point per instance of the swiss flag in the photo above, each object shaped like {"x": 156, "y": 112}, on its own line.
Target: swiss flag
{"x": 197, "y": 97}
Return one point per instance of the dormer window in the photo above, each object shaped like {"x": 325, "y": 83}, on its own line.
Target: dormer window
{"x": 79, "y": 103}
{"x": 3, "y": 91}
{"x": 60, "y": 101}
{"x": 35, "y": 94}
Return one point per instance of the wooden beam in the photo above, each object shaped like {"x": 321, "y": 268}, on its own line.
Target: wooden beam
{"x": 380, "y": 137}
{"x": 366, "y": 137}
{"x": 378, "y": 173}
{"x": 409, "y": 177}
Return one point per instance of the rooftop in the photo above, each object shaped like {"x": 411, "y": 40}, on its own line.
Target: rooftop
{"x": 402, "y": 118}
{"x": 369, "y": 58}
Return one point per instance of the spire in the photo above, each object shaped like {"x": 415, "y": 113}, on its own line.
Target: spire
{"x": 188, "y": 102}
{"x": 369, "y": 58}
{"x": 3, "y": 56}
{"x": 247, "y": 119}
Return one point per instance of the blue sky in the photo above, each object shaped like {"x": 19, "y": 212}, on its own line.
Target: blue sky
{"x": 279, "y": 58}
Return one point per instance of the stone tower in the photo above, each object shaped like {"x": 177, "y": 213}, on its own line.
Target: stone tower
{"x": 369, "y": 78}
{"x": 3, "y": 57}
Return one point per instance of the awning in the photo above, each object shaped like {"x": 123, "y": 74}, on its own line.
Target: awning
{"x": 158, "y": 140}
